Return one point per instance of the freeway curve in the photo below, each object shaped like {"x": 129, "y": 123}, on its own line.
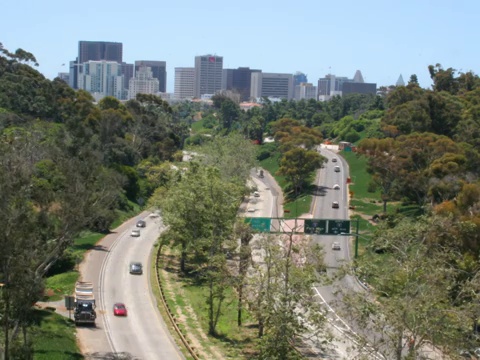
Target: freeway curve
{"x": 143, "y": 333}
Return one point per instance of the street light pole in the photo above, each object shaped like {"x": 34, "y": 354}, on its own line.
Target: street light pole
{"x": 357, "y": 235}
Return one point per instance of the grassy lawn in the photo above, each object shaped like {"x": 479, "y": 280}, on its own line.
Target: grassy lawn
{"x": 360, "y": 177}
{"x": 54, "y": 337}
{"x": 187, "y": 297}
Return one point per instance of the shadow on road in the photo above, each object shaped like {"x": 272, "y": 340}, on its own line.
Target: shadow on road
{"x": 319, "y": 190}
{"x": 110, "y": 356}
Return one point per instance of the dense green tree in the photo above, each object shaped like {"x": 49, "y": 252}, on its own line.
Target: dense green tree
{"x": 280, "y": 289}
{"x": 409, "y": 311}
{"x": 233, "y": 155}
{"x": 297, "y": 165}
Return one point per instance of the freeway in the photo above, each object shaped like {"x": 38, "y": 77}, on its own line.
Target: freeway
{"x": 143, "y": 333}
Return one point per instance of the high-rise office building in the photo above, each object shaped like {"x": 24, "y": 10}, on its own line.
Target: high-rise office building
{"x": 184, "y": 82}
{"x": 95, "y": 51}
{"x": 101, "y": 78}
{"x": 305, "y": 91}
{"x": 332, "y": 85}
{"x": 208, "y": 74}
{"x": 271, "y": 85}
{"x": 127, "y": 72}
{"x": 238, "y": 80}
{"x": 299, "y": 78}
{"x": 143, "y": 83}
{"x": 159, "y": 71}
{"x": 100, "y": 50}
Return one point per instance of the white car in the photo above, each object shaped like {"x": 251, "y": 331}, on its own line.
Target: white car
{"x": 135, "y": 233}
{"x": 336, "y": 187}
{"x": 256, "y": 194}
{"x": 336, "y": 246}
{"x": 335, "y": 205}
{"x": 337, "y": 168}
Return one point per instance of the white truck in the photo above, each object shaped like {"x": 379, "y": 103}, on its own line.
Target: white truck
{"x": 84, "y": 312}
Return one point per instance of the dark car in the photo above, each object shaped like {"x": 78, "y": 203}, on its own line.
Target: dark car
{"x": 119, "y": 309}
{"x": 136, "y": 268}
{"x": 141, "y": 223}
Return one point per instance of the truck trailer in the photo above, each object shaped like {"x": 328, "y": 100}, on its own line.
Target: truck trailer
{"x": 84, "y": 311}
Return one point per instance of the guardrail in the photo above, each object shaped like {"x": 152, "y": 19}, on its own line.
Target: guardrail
{"x": 182, "y": 337}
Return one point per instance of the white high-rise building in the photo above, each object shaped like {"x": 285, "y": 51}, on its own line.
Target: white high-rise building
{"x": 143, "y": 83}
{"x": 271, "y": 85}
{"x": 184, "y": 83}
{"x": 305, "y": 91}
{"x": 101, "y": 78}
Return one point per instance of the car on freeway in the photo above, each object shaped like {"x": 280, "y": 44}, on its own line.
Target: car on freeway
{"x": 335, "y": 205}
{"x": 135, "y": 233}
{"x": 336, "y": 187}
{"x": 155, "y": 214}
{"x": 336, "y": 246}
{"x": 334, "y": 160}
{"x": 119, "y": 309}
{"x": 136, "y": 268}
{"x": 141, "y": 223}
{"x": 337, "y": 168}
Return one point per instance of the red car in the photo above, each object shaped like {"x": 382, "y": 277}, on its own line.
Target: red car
{"x": 119, "y": 309}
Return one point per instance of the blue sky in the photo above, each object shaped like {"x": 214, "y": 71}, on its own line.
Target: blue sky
{"x": 383, "y": 39}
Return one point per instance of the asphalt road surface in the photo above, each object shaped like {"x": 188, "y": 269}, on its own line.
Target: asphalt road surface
{"x": 143, "y": 333}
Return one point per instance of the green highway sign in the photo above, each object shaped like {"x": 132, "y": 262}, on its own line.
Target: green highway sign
{"x": 336, "y": 227}
{"x": 259, "y": 224}
{"x": 315, "y": 226}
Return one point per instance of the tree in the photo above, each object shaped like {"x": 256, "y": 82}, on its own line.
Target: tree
{"x": 297, "y": 165}
{"x": 443, "y": 79}
{"x": 280, "y": 290}
{"x": 233, "y": 155}
{"x": 410, "y": 310}
{"x": 200, "y": 212}
{"x": 46, "y": 200}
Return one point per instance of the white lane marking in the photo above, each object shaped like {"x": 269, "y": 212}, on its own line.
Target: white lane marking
{"x": 347, "y": 331}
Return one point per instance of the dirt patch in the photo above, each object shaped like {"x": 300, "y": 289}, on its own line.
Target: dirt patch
{"x": 185, "y": 315}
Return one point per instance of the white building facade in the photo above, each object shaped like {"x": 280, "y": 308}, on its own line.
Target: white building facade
{"x": 101, "y": 78}
{"x": 272, "y": 85}
{"x": 184, "y": 83}
{"x": 143, "y": 83}
{"x": 305, "y": 91}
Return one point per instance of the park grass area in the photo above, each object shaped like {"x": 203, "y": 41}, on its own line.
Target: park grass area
{"x": 60, "y": 285}
{"x": 359, "y": 176}
{"x": 54, "y": 337}
{"x": 298, "y": 207}
{"x": 187, "y": 297}
{"x": 197, "y": 126}
{"x": 271, "y": 165}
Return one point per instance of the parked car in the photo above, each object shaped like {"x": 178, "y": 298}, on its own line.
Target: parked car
{"x": 119, "y": 309}
{"x": 335, "y": 205}
{"x": 141, "y": 223}
{"x": 336, "y": 187}
{"x": 136, "y": 268}
{"x": 135, "y": 233}
{"x": 336, "y": 246}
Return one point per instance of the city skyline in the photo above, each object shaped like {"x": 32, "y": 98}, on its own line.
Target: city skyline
{"x": 382, "y": 39}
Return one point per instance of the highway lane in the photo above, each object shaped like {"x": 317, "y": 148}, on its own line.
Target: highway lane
{"x": 322, "y": 208}
{"x": 143, "y": 333}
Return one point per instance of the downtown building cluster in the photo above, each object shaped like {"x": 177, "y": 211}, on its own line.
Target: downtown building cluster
{"x": 99, "y": 69}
